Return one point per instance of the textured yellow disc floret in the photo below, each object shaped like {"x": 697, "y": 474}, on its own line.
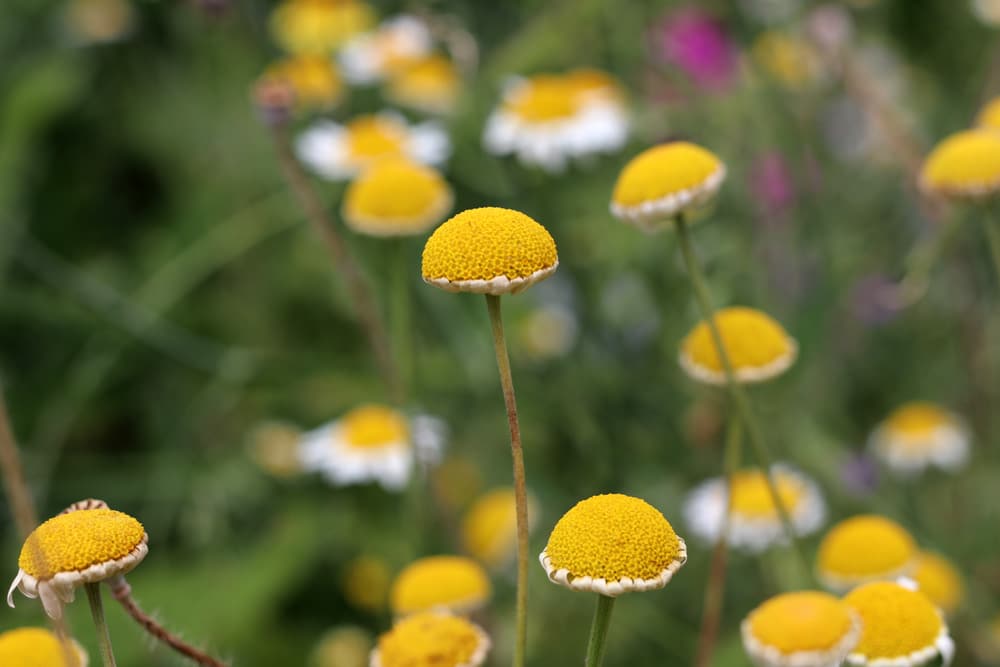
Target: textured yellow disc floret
{"x": 446, "y": 582}
{"x": 758, "y": 347}
{"x": 37, "y": 647}
{"x": 663, "y": 171}
{"x": 481, "y": 245}
{"x": 938, "y": 579}
{"x": 489, "y": 529}
{"x": 895, "y": 621}
{"x": 432, "y": 640}
{"x": 314, "y": 79}
{"x": 319, "y": 26}
{"x": 989, "y": 117}
{"x": 371, "y": 137}
{"x": 429, "y": 84}
{"x": 396, "y": 197}
{"x": 75, "y": 541}
{"x": 916, "y": 419}
{"x": 614, "y": 537}
{"x": 544, "y": 98}
{"x": 800, "y": 622}
{"x": 374, "y": 426}
{"x": 752, "y": 498}
{"x": 966, "y": 164}
{"x": 864, "y": 548}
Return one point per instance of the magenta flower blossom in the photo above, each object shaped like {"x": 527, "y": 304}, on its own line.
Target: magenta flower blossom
{"x": 697, "y": 43}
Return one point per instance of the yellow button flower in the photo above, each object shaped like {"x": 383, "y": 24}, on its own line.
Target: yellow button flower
{"x": 939, "y": 580}
{"x": 318, "y": 26}
{"x": 919, "y": 435}
{"x": 365, "y": 581}
{"x": 899, "y": 627}
{"x": 864, "y": 548}
{"x": 489, "y": 251}
{"x": 432, "y": 639}
{"x": 75, "y": 548}
{"x": 666, "y": 181}
{"x": 314, "y": 80}
{"x": 613, "y": 544}
{"x": 989, "y": 116}
{"x": 758, "y": 347}
{"x": 38, "y": 647}
{"x": 430, "y": 84}
{"x": 965, "y": 165}
{"x": 754, "y": 522}
{"x": 396, "y": 197}
{"x": 804, "y": 629}
{"x": 452, "y": 583}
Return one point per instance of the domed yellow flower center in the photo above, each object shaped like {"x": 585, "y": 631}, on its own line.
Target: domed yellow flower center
{"x": 989, "y": 117}
{"x": 611, "y": 537}
{"x": 895, "y": 620}
{"x": 398, "y": 192}
{"x": 75, "y": 541}
{"x": 450, "y": 582}
{"x": 964, "y": 163}
{"x": 752, "y": 339}
{"x": 485, "y": 243}
{"x": 370, "y": 137}
{"x": 664, "y": 170}
{"x": 752, "y": 498}
{"x": 489, "y": 527}
{"x": 37, "y": 647}
{"x": 916, "y": 420}
{"x": 432, "y": 75}
{"x": 371, "y": 426}
{"x": 313, "y": 78}
{"x": 802, "y": 621}
{"x": 429, "y": 640}
{"x": 544, "y": 98}
{"x": 866, "y": 546}
{"x": 366, "y": 582}
{"x": 938, "y": 579}
{"x": 319, "y": 26}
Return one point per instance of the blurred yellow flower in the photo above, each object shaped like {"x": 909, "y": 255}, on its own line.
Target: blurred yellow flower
{"x": 396, "y": 197}
{"x": 345, "y": 646}
{"x": 432, "y": 639}
{"x": 397, "y": 43}
{"x": 430, "y": 84}
{"x": 965, "y": 165}
{"x": 989, "y": 115}
{"x": 318, "y": 26}
{"x": 314, "y": 80}
{"x": 365, "y": 582}
{"x": 456, "y": 481}
{"x": 804, "y": 629}
{"x": 788, "y": 59}
{"x": 489, "y": 527}
{"x": 98, "y": 21}
{"x": 918, "y": 435}
{"x": 453, "y": 583}
{"x": 274, "y": 447}
{"x": 939, "y": 580}
{"x": 864, "y": 548}
{"x": 38, "y": 647}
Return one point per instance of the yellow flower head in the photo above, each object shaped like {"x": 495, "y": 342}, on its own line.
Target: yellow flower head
{"x": 918, "y": 435}
{"x": 612, "y": 544}
{"x": 758, "y": 347}
{"x": 489, "y": 251}
{"x": 79, "y": 547}
{"x": 453, "y": 583}
{"x": 432, "y": 639}
{"x": 314, "y": 80}
{"x": 489, "y": 528}
{"x": 396, "y": 197}
{"x": 319, "y": 26}
{"x": 594, "y": 83}
{"x": 374, "y": 426}
{"x": 989, "y": 116}
{"x": 666, "y": 181}
{"x": 456, "y": 482}
{"x": 864, "y": 548}
{"x": 805, "y": 629}
{"x": 788, "y": 59}
{"x": 899, "y": 626}
{"x": 430, "y": 84}
{"x": 939, "y": 580}
{"x": 344, "y": 646}
{"x": 274, "y": 447}
{"x": 38, "y": 647}
{"x": 365, "y": 581}
{"x": 543, "y": 98}
{"x": 966, "y": 165}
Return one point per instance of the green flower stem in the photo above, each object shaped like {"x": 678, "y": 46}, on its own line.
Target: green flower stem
{"x": 520, "y": 490}
{"x": 738, "y": 396}
{"x": 716, "y": 586}
{"x": 400, "y": 315}
{"x": 599, "y": 631}
{"x": 97, "y": 611}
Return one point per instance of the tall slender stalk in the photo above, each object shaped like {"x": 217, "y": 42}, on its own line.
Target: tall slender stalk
{"x": 715, "y": 589}
{"x": 736, "y": 392}
{"x": 992, "y": 228}
{"x": 520, "y": 490}
{"x": 97, "y": 611}
{"x": 399, "y": 313}
{"x": 360, "y": 291}
{"x": 599, "y": 631}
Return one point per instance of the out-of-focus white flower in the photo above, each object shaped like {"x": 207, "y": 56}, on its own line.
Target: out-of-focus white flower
{"x": 920, "y": 435}
{"x": 397, "y": 42}
{"x": 337, "y": 152}
{"x": 548, "y": 119}
{"x": 987, "y": 11}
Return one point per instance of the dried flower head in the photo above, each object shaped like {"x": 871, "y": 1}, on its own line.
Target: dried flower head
{"x": 489, "y": 251}
{"x": 864, "y": 548}
{"x": 613, "y": 544}
{"x": 758, "y": 347}
{"x": 939, "y": 580}
{"x": 39, "y": 647}
{"x": 432, "y": 639}
{"x": 801, "y": 629}
{"x": 451, "y": 583}
{"x": 919, "y": 435}
{"x": 396, "y": 197}
{"x": 965, "y": 165}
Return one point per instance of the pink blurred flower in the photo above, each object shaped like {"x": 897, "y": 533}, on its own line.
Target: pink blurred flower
{"x": 772, "y": 184}
{"x": 698, "y": 44}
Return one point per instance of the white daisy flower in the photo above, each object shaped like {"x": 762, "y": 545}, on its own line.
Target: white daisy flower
{"x": 338, "y": 152}
{"x": 754, "y": 522}
{"x": 372, "y": 443}
{"x": 919, "y": 435}
{"x": 548, "y": 119}
{"x": 398, "y": 41}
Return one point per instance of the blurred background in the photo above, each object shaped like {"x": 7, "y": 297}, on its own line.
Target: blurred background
{"x": 162, "y": 298}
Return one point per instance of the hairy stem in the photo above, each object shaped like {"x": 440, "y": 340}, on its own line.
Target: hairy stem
{"x": 97, "y": 611}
